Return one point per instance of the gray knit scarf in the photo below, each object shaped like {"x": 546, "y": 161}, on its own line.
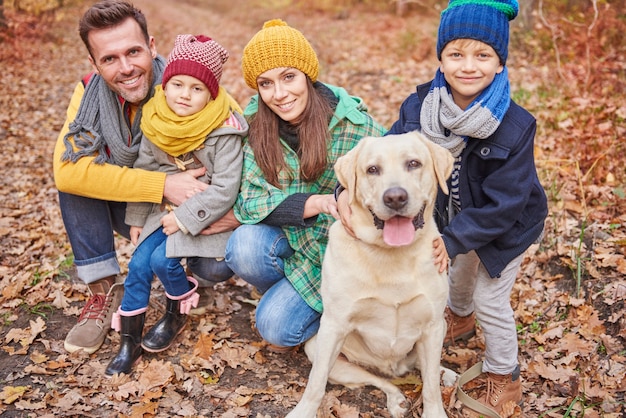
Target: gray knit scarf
{"x": 446, "y": 124}
{"x": 100, "y": 127}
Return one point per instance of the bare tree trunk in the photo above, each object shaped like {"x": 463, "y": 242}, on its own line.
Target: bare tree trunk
{"x": 525, "y": 18}
{"x": 401, "y": 7}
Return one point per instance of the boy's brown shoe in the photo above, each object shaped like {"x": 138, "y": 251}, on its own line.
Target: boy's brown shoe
{"x": 460, "y": 328}
{"x": 489, "y": 394}
{"x": 95, "y": 319}
{"x": 503, "y": 391}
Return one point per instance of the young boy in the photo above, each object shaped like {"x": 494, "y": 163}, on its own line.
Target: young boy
{"x": 191, "y": 122}
{"x": 497, "y": 207}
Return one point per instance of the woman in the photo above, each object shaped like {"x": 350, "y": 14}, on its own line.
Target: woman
{"x": 298, "y": 128}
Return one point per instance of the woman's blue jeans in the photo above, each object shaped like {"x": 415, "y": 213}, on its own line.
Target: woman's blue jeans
{"x": 256, "y": 253}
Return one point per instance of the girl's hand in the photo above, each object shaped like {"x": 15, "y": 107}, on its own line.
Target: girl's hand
{"x": 135, "y": 231}
{"x": 169, "y": 223}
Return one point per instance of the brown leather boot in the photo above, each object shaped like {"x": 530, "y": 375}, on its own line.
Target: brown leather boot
{"x": 502, "y": 390}
{"x": 95, "y": 319}
{"x": 488, "y": 394}
{"x": 460, "y": 328}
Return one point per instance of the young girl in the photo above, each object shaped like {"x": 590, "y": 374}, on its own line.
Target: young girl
{"x": 191, "y": 122}
{"x": 298, "y": 128}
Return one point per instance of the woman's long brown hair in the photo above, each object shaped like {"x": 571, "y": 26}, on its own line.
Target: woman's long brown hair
{"x": 313, "y": 134}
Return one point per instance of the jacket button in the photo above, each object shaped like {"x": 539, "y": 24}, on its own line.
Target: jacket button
{"x": 201, "y": 214}
{"x": 485, "y": 151}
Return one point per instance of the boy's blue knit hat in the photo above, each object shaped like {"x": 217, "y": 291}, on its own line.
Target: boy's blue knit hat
{"x": 483, "y": 20}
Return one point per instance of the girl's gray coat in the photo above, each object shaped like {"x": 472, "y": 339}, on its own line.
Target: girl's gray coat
{"x": 222, "y": 156}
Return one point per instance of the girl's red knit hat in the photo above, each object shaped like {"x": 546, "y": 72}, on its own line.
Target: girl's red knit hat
{"x": 197, "y": 56}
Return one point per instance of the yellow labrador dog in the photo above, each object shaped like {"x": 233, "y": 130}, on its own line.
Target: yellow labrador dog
{"x": 383, "y": 296}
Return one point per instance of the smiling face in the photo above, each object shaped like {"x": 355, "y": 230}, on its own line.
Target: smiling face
{"x": 285, "y": 91}
{"x": 469, "y": 67}
{"x": 121, "y": 56}
{"x": 186, "y": 95}
{"x": 393, "y": 180}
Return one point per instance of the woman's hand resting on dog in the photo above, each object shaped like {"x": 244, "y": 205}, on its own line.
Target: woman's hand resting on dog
{"x": 320, "y": 203}
{"x": 344, "y": 212}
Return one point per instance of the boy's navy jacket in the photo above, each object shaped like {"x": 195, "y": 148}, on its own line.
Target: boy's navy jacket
{"x": 503, "y": 205}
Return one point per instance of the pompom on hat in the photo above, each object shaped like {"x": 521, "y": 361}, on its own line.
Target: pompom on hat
{"x": 197, "y": 56}
{"x": 278, "y": 45}
{"x": 483, "y": 20}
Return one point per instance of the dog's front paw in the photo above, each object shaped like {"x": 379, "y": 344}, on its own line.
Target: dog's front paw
{"x": 448, "y": 377}
{"x": 397, "y": 404}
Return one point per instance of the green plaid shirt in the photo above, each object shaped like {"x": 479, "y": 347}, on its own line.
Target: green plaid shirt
{"x": 257, "y": 198}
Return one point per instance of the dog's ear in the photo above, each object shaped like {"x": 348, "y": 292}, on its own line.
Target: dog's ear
{"x": 443, "y": 161}
{"x": 345, "y": 169}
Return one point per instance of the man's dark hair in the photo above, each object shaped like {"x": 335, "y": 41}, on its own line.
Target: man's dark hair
{"x": 109, "y": 13}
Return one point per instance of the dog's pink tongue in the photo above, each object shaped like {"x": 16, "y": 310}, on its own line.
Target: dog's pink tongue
{"x": 398, "y": 231}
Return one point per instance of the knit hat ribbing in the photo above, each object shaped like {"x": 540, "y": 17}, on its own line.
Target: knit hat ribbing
{"x": 278, "y": 45}
{"x": 483, "y": 20}
{"x": 197, "y": 56}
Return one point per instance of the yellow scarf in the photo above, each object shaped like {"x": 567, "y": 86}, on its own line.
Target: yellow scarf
{"x": 177, "y": 135}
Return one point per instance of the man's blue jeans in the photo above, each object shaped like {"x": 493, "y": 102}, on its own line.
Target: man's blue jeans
{"x": 256, "y": 253}
{"x": 90, "y": 225}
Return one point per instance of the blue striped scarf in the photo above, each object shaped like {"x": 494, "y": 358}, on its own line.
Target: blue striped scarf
{"x": 446, "y": 124}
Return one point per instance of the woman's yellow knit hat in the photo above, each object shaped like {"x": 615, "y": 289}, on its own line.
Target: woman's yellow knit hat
{"x": 278, "y": 45}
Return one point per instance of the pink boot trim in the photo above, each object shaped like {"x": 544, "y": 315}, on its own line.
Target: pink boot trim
{"x": 116, "y": 322}
{"x": 189, "y": 299}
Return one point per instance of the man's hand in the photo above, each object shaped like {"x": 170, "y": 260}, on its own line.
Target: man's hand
{"x": 228, "y": 222}
{"x": 344, "y": 212}
{"x": 181, "y": 186}
{"x": 440, "y": 254}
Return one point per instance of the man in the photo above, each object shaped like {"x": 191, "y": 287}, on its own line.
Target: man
{"x": 94, "y": 155}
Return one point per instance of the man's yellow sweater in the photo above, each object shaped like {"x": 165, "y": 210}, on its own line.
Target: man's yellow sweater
{"x": 102, "y": 181}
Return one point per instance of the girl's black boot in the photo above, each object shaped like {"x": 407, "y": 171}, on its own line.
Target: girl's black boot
{"x": 161, "y": 336}
{"x": 130, "y": 325}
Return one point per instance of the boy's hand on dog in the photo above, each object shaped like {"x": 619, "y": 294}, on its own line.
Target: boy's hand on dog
{"x": 440, "y": 254}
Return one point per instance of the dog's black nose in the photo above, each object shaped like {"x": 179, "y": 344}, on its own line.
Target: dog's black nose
{"x": 395, "y": 198}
